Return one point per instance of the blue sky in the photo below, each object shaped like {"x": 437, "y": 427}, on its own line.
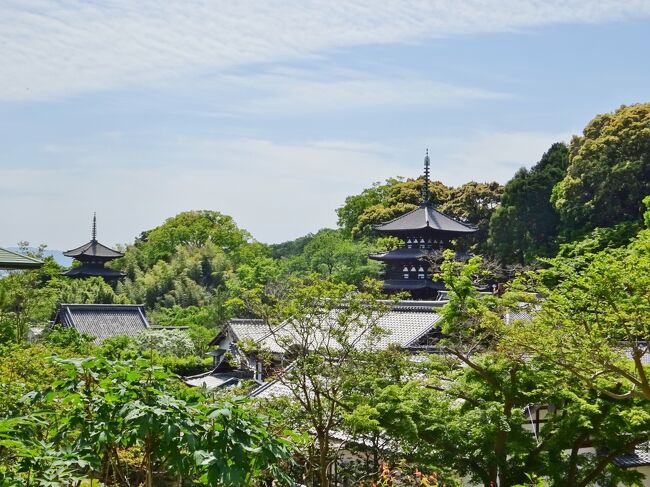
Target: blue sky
{"x": 274, "y": 112}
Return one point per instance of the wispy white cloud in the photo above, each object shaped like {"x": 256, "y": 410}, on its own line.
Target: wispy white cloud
{"x": 300, "y": 92}
{"x": 65, "y": 47}
{"x": 275, "y": 190}
{"x": 495, "y": 156}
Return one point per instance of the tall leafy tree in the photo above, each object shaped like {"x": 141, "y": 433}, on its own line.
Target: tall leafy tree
{"x": 384, "y": 202}
{"x": 355, "y": 205}
{"x": 335, "y": 257}
{"x": 475, "y": 203}
{"x": 526, "y": 225}
{"x": 609, "y": 172}
{"x": 191, "y": 229}
{"x": 594, "y": 320}
{"x": 326, "y": 330}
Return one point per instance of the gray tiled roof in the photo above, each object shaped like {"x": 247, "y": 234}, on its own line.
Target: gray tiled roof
{"x": 212, "y": 380}
{"x": 248, "y": 329}
{"x": 425, "y": 216}
{"x": 403, "y": 326}
{"x": 103, "y": 320}
{"x": 643, "y": 348}
{"x": 242, "y": 329}
{"x": 271, "y": 390}
{"x": 14, "y": 260}
{"x": 639, "y": 458}
{"x": 512, "y": 316}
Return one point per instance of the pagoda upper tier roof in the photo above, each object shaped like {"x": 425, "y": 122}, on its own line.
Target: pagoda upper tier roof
{"x": 423, "y": 217}
{"x": 94, "y": 249}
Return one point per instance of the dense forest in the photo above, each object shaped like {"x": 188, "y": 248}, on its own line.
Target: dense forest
{"x": 569, "y": 236}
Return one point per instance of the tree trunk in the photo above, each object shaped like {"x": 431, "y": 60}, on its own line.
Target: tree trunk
{"x": 500, "y": 450}
{"x": 148, "y": 463}
{"x": 323, "y": 446}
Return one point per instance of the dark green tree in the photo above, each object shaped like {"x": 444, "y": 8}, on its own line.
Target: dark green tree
{"x": 475, "y": 203}
{"x": 383, "y": 202}
{"x": 526, "y": 225}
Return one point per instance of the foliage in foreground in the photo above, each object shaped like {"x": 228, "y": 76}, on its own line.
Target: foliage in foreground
{"x": 126, "y": 423}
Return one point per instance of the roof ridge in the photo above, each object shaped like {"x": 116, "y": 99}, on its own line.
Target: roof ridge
{"x": 423, "y": 333}
{"x": 417, "y": 207}
{"x": 20, "y": 255}
{"x": 470, "y": 225}
{"x": 83, "y": 248}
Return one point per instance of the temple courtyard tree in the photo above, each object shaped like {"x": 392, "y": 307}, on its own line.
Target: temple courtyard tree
{"x": 324, "y": 332}
{"x": 594, "y": 320}
{"x": 472, "y": 412}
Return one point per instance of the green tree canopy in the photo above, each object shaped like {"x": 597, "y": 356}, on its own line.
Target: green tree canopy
{"x": 335, "y": 257}
{"x": 193, "y": 229}
{"x": 526, "y": 225}
{"x": 472, "y": 202}
{"x": 609, "y": 172}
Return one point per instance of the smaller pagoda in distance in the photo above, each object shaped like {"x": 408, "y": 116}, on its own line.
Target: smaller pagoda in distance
{"x": 422, "y": 231}
{"x": 93, "y": 256}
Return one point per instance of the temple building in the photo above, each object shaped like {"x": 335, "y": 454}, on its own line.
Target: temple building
{"x": 10, "y": 260}
{"x": 422, "y": 231}
{"x": 103, "y": 321}
{"x": 93, "y": 256}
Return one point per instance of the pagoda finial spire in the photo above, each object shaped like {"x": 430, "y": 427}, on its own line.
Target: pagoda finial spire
{"x": 94, "y": 226}
{"x": 425, "y": 188}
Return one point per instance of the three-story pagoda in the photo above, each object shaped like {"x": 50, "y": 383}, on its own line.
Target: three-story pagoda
{"x": 422, "y": 231}
{"x": 93, "y": 257}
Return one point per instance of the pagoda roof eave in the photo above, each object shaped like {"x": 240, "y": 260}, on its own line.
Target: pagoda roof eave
{"x": 84, "y": 271}
{"x": 424, "y": 228}
{"x": 94, "y": 249}
{"x": 422, "y": 218}
{"x": 412, "y": 284}
{"x": 400, "y": 254}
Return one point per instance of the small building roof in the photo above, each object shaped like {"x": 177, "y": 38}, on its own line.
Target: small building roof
{"x": 14, "y": 260}
{"x": 212, "y": 380}
{"x": 271, "y": 390}
{"x": 242, "y": 329}
{"x": 425, "y": 217}
{"x": 103, "y": 320}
